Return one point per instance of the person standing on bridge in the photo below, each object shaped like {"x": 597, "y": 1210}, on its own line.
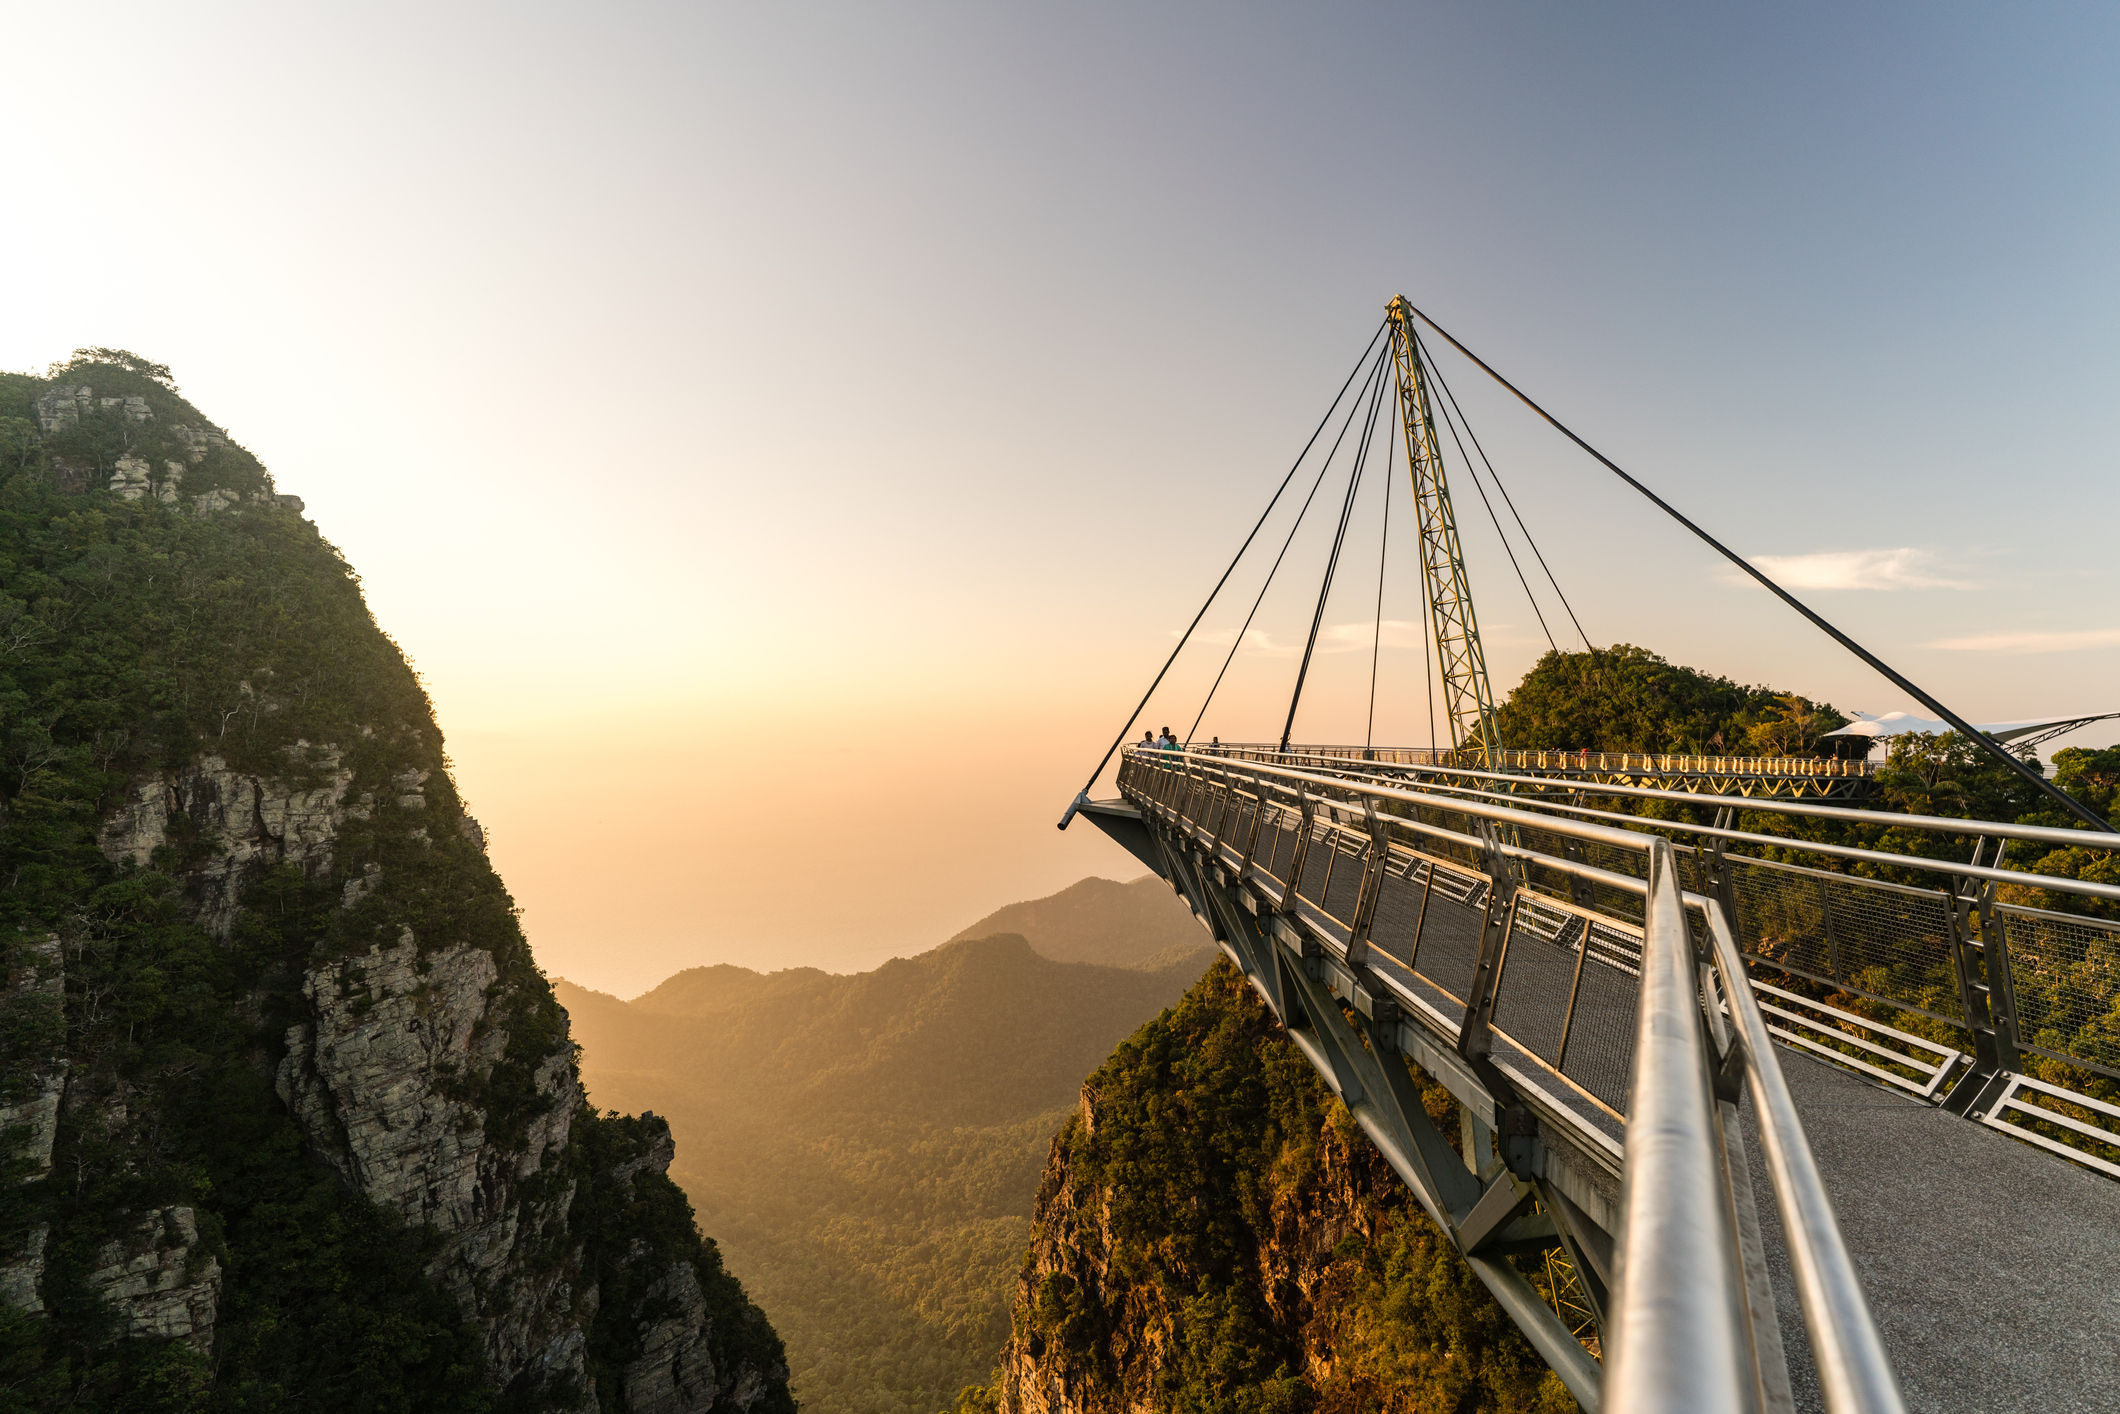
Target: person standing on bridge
{"x": 1148, "y": 741}
{"x": 1169, "y": 742}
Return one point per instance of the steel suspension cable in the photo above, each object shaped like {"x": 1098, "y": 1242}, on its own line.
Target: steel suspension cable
{"x": 1332, "y": 560}
{"x": 1958, "y": 724}
{"x": 1509, "y": 501}
{"x": 1082, "y": 796}
{"x": 1323, "y": 467}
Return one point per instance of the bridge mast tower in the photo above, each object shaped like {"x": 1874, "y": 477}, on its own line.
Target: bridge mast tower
{"x": 1468, "y": 699}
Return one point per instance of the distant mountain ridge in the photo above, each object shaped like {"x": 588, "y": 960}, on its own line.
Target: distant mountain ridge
{"x": 877, "y": 1138}
{"x": 1137, "y": 924}
{"x": 972, "y": 1032}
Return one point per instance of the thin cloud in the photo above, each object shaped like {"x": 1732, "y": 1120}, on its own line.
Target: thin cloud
{"x": 1903, "y": 568}
{"x": 2064, "y": 642}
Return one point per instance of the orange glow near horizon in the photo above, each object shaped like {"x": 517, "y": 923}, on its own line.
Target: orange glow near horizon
{"x": 787, "y": 442}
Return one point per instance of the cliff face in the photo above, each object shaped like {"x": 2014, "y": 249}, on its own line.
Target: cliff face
{"x": 1212, "y": 1233}
{"x": 288, "y": 1114}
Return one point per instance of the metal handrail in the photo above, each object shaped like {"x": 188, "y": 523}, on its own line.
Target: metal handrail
{"x": 1964, "y": 869}
{"x": 1658, "y": 762}
{"x": 1854, "y": 1373}
{"x": 2057, "y": 883}
{"x": 1937, "y": 824}
{"x": 1680, "y": 1340}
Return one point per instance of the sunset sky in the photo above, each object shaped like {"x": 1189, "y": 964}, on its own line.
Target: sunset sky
{"x": 786, "y": 438}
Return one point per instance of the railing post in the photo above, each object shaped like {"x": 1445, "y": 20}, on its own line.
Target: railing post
{"x": 2001, "y": 972}
{"x": 1990, "y": 1010}
{"x": 1229, "y": 808}
{"x": 1258, "y": 822}
{"x": 1373, "y": 869}
{"x": 1294, "y": 881}
{"x": 1721, "y": 880}
{"x": 1825, "y": 912}
{"x": 1474, "y": 1039}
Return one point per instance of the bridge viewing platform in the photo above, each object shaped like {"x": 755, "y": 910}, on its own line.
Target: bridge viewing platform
{"x": 1875, "y": 1160}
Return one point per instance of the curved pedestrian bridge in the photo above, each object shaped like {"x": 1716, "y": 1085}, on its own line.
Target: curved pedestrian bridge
{"x": 1735, "y": 1126}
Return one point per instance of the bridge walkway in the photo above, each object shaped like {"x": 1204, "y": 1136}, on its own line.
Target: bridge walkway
{"x": 1987, "y": 1265}
{"x": 1993, "y": 1268}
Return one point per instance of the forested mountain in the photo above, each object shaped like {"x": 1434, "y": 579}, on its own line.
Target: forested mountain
{"x": 866, "y": 1147}
{"x": 1214, "y": 1236}
{"x": 288, "y": 1117}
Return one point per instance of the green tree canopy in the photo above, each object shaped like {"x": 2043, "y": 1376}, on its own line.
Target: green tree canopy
{"x": 1625, "y": 698}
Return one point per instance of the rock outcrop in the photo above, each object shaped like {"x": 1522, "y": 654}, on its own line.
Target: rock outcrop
{"x": 269, "y": 1013}
{"x": 161, "y": 1280}
{"x": 238, "y": 824}
{"x": 369, "y": 1078}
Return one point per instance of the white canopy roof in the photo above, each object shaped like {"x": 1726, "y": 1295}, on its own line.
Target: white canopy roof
{"x": 1900, "y": 723}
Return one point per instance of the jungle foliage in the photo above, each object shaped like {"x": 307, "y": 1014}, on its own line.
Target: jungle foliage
{"x": 1215, "y": 1145}
{"x": 1625, "y": 698}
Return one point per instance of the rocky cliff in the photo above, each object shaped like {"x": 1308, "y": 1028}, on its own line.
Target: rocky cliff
{"x": 288, "y": 1115}
{"x": 1212, "y": 1233}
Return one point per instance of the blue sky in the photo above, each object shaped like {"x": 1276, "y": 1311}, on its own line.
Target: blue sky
{"x": 727, "y": 405}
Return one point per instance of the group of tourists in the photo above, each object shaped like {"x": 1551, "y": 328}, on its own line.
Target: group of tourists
{"x": 1166, "y": 742}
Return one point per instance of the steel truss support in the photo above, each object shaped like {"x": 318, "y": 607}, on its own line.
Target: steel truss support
{"x": 1468, "y": 700}
{"x": 1354, "y": 1047}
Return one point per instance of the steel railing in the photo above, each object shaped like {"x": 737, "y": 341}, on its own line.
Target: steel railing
{"x": 1651, "y": 763}
{"x": 1690, "y": 1328}
{"x": 1946, "y": 939}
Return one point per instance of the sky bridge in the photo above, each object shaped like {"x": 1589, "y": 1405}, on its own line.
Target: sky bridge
{"x": 1766, "y": 1098}
{"x": 1914, "y": 1212}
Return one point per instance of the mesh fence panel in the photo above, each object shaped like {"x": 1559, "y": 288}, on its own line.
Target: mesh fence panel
{"x": 2066, "y": 973}
{"x": 1781, "y": 918}
{"x": 1343, "y": 889}
{"x": 1538, "y": 973}
{"x": 1217, "y": 807}
{"x": 1315, "y": 862}
{"x": 1614, "y": 859}
{"x": 1398, "y": 910}
{"x": 1600, "y": 1053}
{"x": 1895, "y": 942}
{"x": 1450, "y": 933}
{"x": 1878, "y": 939}
{"x": 1282, "y": 855}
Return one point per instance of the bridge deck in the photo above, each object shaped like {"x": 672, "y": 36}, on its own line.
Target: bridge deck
{"x": 1993, "y": 1268}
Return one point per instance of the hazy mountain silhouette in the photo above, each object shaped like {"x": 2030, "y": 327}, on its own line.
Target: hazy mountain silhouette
{"x": 866, "y": 1147}
{"x": 1141, "y": 924}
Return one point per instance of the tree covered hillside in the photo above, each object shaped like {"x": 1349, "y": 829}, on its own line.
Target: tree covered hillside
{"x": 1624, "y": 698}
{"x": 1213, "y": 1235}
